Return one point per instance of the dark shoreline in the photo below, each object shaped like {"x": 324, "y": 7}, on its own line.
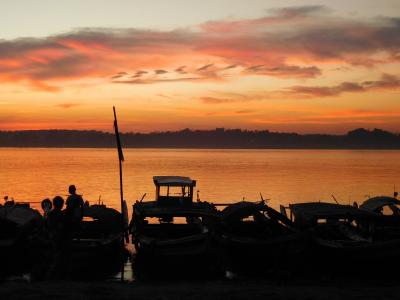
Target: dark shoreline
{"x": 209, "y": 290}
{"x": 219, "y": 138}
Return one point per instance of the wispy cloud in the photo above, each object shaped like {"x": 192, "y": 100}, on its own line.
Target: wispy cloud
{"x": 386, "y": 82}
{"x": 334, "y": 117}
{"x": 158, "y": 72}
{"x": 68, "y": 105}
{"x": 284, "y": 71}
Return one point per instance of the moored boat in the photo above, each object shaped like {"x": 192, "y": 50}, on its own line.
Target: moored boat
{"x": 94, "y": 249}
{"x": 19, "y": 225}
{"x": 343, "y": 235}
{"x": 173, "y": 229}
{"x": 387, "y": 224}
{"x": 254, "y": 237}
{"x": 98, "y": 245}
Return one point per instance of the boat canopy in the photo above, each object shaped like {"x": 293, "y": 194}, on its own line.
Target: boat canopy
{"x": 20, "y": 215}
{"x": 376, "y": 203}
{"x": 173, "y": 181}
{"x": 321, "y": 210}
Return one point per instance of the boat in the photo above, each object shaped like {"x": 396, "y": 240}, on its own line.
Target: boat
{"x": 173, "y": 230}
{"x": 99, "y": 244}
{"x": 96, "y": 250}
{"x": 254, "y": 237}
{"x": 19, "y": 225}
{"x": 343, "y": 235}
{"x": 387, "y": 225}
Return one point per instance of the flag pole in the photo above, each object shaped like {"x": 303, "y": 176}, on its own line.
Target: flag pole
{"x": 120, "y": 160}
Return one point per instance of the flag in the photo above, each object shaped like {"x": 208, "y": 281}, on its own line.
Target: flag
{"x": 120, "y": 153}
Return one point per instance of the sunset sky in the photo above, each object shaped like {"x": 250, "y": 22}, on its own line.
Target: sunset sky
{"x": 303, "y": 66}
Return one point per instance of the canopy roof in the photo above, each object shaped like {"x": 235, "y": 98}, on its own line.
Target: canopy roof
{"x": 20, "y": 215}
{"x": 372, "y": 204}
{"x": 321, "y": 210}
{"x": 173, "y": 181}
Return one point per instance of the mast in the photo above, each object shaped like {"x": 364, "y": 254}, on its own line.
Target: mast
{"x": 120, "y": 158}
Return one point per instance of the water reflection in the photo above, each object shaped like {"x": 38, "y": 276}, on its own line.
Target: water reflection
{"x": 284, "y": 176}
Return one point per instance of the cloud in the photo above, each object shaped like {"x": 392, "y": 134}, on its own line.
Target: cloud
{"x": 205, "y": 67}
{"x": 158, "y": 80}
{"x": 333, "y": 118}
{"x": 230, "y": 67}
{"x": 67, "y": 105}
{"x": 119, "y": 75}
{"x": 180, "y": 70}
{"x": 284, "y": 71}
{"x": 158, "y": 72}
{"x": 214, "y": 100}
{"x": 266, "y": 46}
{"x": 307, "y": 35}
{"x": 279, "y": 16}
{"x": 225, "y": 98}
{"x": 139, "y": 73}
{"x": 386, "y": 82}
{"x": 182, "y": 73}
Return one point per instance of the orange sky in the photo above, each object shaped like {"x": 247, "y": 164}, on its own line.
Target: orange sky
{"x": 296, "y": 68}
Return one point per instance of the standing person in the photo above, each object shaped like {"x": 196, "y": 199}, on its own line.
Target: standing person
{"x": 74, "y": 209}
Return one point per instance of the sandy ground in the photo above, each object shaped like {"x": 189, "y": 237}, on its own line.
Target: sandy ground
{"x": 223, "y": 289}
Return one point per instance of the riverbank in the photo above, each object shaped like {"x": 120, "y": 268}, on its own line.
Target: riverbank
{"x": 254, "y": 289}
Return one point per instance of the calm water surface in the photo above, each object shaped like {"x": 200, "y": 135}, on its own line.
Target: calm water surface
{"x": 284, "y": 176}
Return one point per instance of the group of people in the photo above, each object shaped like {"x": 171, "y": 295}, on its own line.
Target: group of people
{"x": 59, "y": 222}
{"x": 61, "y": 226}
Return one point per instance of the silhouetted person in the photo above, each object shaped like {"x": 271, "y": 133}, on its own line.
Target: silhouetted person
{"x": 74, "y": 203}
{"x": 8, "y": 203}
{"x": 74, "y": 210}
{"x": 47, "y": 206}
{"x": 56, "y": 218}
{"x": 58, "y": 232}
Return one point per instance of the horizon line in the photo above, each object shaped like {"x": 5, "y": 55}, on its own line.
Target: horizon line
{"x": 221, "y": 129}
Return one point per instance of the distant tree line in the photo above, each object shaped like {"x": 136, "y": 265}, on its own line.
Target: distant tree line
{"x": 218, "y": 138}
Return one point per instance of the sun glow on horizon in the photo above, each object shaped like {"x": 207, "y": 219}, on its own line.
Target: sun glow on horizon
{"x": 306, "y": 69}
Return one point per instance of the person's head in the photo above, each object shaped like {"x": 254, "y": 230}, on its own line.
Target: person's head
{"x": 72, "y": 189}
{"x": 46, "y": 205}
{"x": 58, "y": 202}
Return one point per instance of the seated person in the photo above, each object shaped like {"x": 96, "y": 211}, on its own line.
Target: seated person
{"x": 55, "y": 218}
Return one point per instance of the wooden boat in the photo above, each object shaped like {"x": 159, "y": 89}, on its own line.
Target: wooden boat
{"x": 19, "y": 224}
{"x": 95, "y": 250}
{"x": 172, "y": 228}
{"x": 342, "y": 234}
{"x": 387, "y": 225}
{"x": 98, "y": 248}
{"x": 255, "y": 237}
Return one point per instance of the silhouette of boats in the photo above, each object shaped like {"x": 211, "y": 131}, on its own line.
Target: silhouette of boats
{"x": 173, "y": 229}
{"x": 387, "y": 224}
{"x": 98, "y": 244}
{"x": 95, "y": 250}
{"x": 255, "y": 237}
{"x": 343, "y": 235}
{"x": 19, "y": 224}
